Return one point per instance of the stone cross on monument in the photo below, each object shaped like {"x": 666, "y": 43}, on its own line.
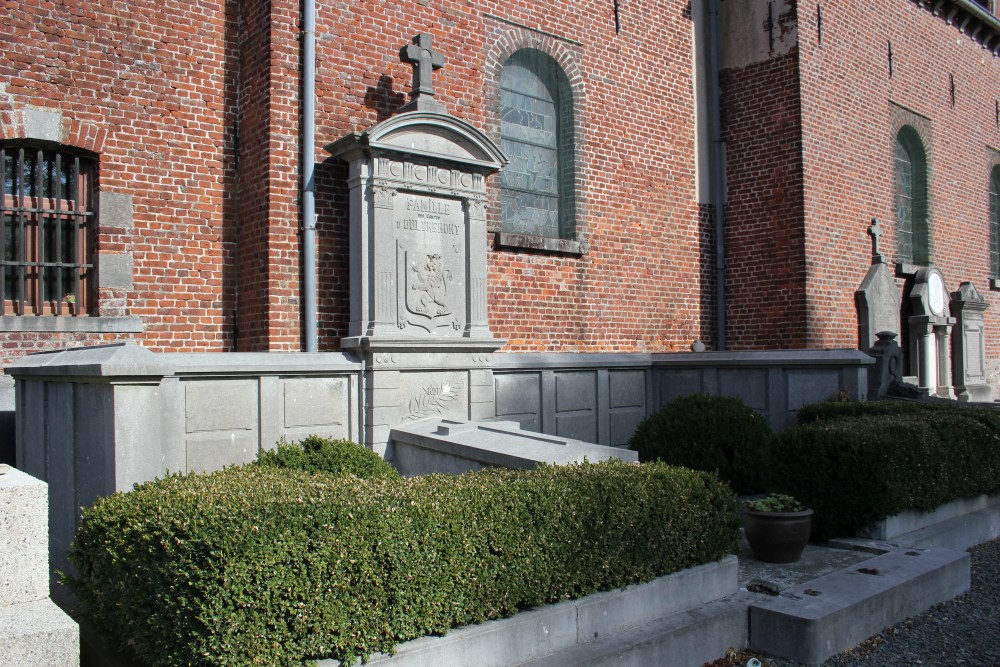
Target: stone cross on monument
{"x": 876, "y": 230}
{"x": 425, "y": 61}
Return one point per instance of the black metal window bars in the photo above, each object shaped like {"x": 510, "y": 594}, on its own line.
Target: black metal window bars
{"x": 47, "y": 242}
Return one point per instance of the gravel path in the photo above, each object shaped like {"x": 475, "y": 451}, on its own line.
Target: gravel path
{"x": 964, "y": 631}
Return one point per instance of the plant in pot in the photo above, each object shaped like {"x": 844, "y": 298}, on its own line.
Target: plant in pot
{"x": 777, "y": 528}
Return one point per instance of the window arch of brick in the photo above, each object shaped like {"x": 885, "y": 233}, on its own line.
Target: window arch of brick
{"x": 995, "y": 221}
{"x": 912, "y": 220}
{"x": 48, "y": 214}
{"x": 537, "y": 134}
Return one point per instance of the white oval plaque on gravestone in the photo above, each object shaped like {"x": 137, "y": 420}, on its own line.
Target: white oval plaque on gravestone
{"x": 936, "y": 297}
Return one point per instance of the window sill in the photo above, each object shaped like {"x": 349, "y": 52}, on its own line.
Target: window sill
{"x": 54, "y": 324}
{"x": 906, "y": 269}
{"x": 994, "y": 284}
{"x": 509, "y": 241}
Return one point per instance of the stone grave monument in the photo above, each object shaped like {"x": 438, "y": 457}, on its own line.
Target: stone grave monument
{"x": 418, "y": 260}
{"x": 930, "y": 334}
{"x": 878, "y": 298}
{"x": 969, "y": 344}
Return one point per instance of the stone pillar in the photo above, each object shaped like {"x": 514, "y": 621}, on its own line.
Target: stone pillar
{"x": 925, "y": 353}
{"x": 969, "y": 344}
{"x": 942, "y": 333}
{"x": 34, "y": 630}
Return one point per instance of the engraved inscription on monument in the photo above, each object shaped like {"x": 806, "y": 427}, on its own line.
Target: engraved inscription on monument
{"x": 430, "y": 251}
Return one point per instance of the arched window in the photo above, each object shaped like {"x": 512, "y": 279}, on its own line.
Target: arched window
{"x": 912, "y": 232}
{"x": 536, "y": 133}
{"x": 995, "y": 222}
{"x": 46, "y": 246}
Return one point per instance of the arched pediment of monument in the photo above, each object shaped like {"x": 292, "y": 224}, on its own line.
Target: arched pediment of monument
{"x": 426, "y": 134}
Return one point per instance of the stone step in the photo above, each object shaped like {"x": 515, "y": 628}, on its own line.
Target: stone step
{"x": 812, "y": 621}
{"x": 688, "y": 638}
{"x": 38, "y": 634}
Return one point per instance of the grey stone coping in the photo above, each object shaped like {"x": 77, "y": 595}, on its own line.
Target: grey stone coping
{"x": 119, "y": 360}
{"x": 131, "y": 360}
{"x": 771, "y": 358}
{"x": 261, "y": 363}
{"x": 66, "y": 323}
{"x": 517, "y": 361}
{"x": 759, "y": 358}
{"x": 422, "y": 344}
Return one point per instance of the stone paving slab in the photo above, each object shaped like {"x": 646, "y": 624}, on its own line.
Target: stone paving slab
{"x": 814, "y": 620}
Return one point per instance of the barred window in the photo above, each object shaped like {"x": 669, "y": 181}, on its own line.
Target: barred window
{"x": 47, "y": 245}
{"x": 912, "y": 229}
{"x": 536, "y": 133}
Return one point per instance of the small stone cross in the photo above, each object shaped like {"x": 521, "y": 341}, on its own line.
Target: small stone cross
{"x": 425, "y": 61}
{"x": 875, "y": 231}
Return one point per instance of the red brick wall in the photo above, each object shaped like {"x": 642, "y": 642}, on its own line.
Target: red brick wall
{"x": 199, "y": 107}
{"x": 851, "y": 111}
{"x": 640, "y": 287}
{"x": 153, "y": 94}
{"x": 765, "y": 240}
{"x": 810, "y": 139}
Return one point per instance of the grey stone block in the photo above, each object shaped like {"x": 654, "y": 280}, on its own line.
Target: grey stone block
{"x": 452, "y": 446}
{"x": 220, "y": 405}
{"x": 38, "y": 634}
{"x": 24, "y": 539}
{"x": 43, "y": 125}
{"x": 116, "y": 271}
{"x": 844, "y": 608}
{"x": 116, "y": 210}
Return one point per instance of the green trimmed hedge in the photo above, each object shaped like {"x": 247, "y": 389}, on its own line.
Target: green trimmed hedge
{"x": 339, "y": 457}
{"x": 269, "y": 566}
{"x": 854, "y": 470}
{"x": 706, "y": 432}
{"x": 838, "y": 408}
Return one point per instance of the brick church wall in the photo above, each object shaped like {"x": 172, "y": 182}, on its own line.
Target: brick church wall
{"x": 639, "y": 287}
{"x": 198, "y": 107}
{"x": 152, "y": 93}
{"x": 193, "y": 110}
{"x": 853, "y": 108}
{"x": 765, "y": 253}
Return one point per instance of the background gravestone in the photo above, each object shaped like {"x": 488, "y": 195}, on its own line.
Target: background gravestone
{"x": 969, "y": 344}
{"x": 878, "y": 298}
{"x": 930, "y": 329}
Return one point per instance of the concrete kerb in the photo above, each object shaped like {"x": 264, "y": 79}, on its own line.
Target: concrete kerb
{"x": 557, "y": 628}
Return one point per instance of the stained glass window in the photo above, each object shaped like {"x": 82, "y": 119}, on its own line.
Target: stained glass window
{"x": 912, "y": 232}
{"x": 995, "y": 221}
{"x": 535, "y": 137}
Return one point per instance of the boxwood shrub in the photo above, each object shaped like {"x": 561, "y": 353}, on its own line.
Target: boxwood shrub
{"x": 275, "y": 566}
{"x": 854, "y": 470}
{"x": 318, "y": 454}
{"x": 712, "y": 433}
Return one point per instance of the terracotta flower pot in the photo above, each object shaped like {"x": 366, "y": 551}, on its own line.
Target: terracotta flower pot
{"x": 777, "y": 537}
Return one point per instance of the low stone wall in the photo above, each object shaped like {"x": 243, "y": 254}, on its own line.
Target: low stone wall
{"x": 92, "y": 421}
{"x": 602, "y": 397}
